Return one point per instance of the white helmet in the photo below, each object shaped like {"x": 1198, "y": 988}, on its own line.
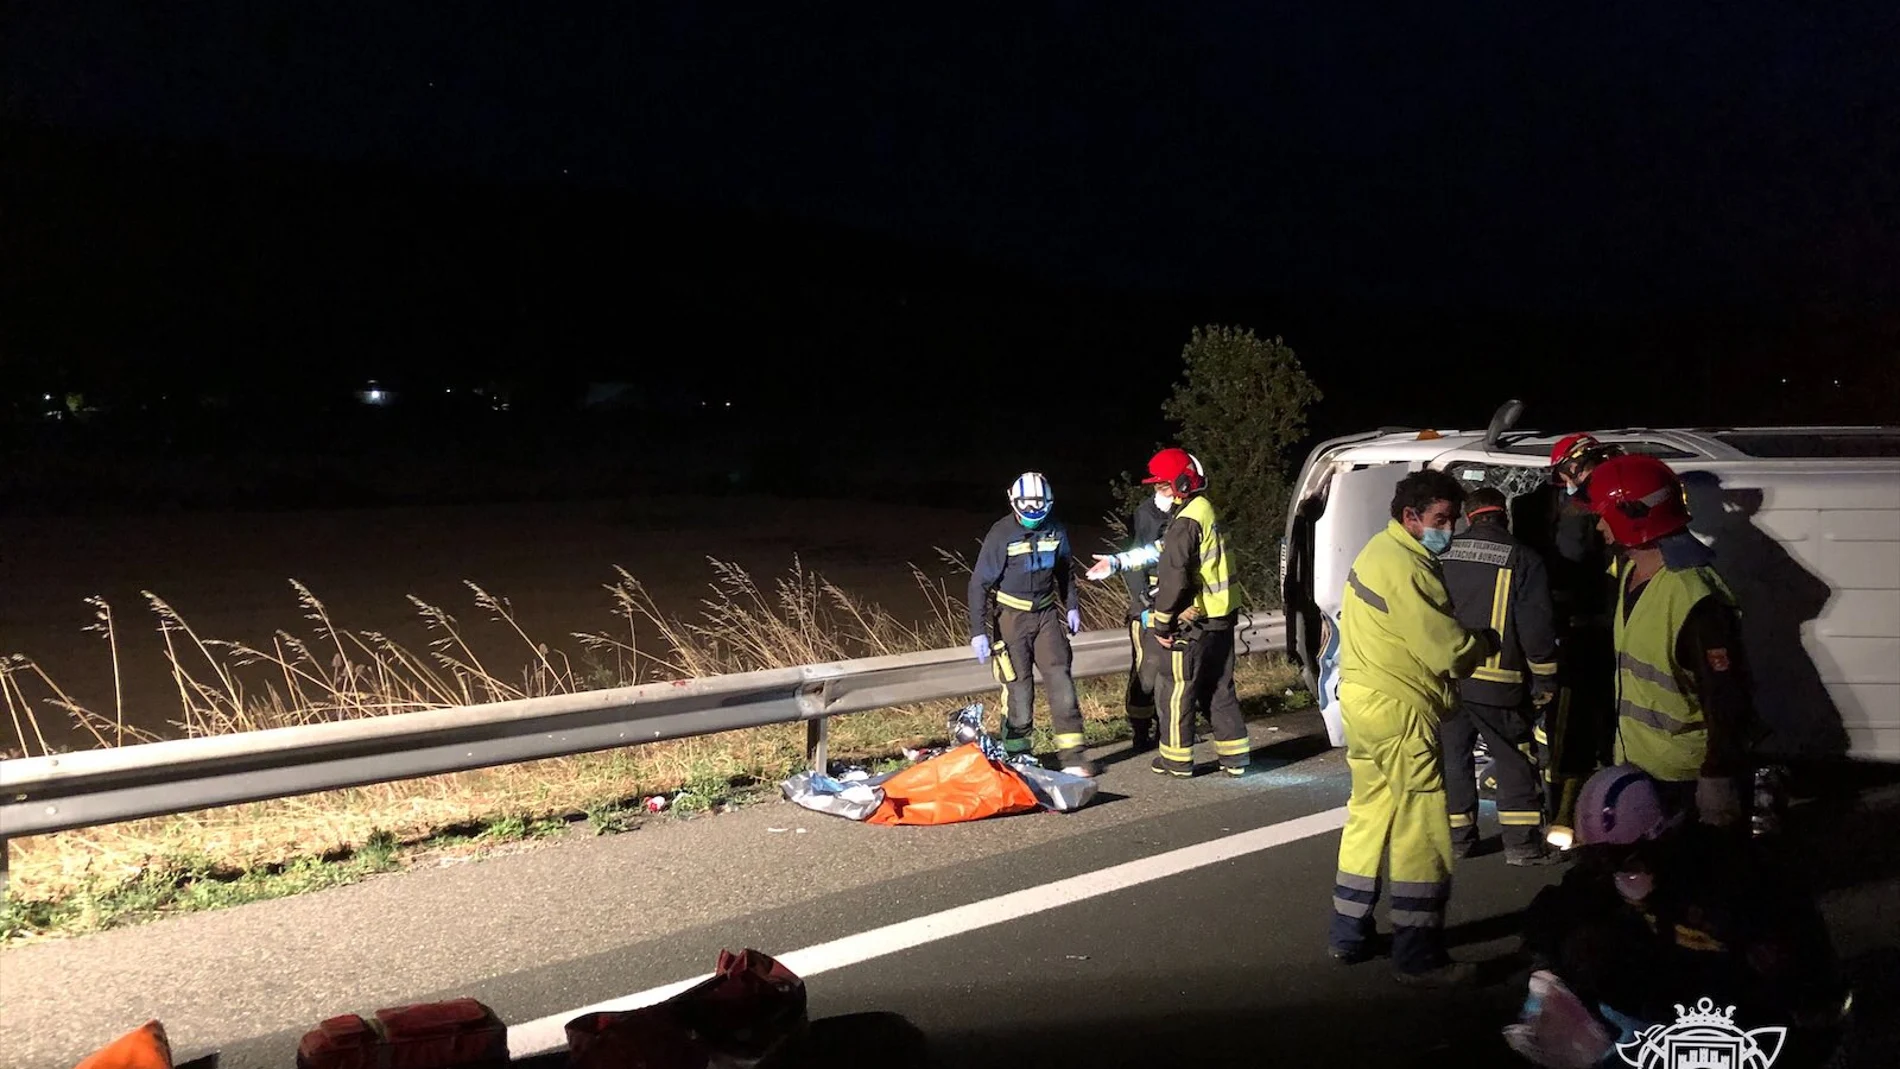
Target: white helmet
{"x": 1031, "y": 498}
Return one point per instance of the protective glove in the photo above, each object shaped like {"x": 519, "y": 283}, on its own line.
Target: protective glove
{"x": 1717, "y": 802}
{"x": 1075, "y": 621}
{"x": 1101, "y": 569}
{"x": 980, "y": 645}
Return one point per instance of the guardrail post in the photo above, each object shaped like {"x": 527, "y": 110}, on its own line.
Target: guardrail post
{"x": 817, "y": 743}
{"x": 4, "y": 851}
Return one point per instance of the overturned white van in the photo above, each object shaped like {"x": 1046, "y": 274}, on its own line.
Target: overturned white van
{"x": 1804, "y": 521}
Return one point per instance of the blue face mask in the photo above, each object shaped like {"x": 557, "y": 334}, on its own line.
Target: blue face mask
{"x": 1436, "y": 540}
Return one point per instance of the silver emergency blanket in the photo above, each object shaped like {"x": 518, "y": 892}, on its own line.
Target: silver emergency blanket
{"x": 854, "y": 799}
{"x": 1056, "y": 790}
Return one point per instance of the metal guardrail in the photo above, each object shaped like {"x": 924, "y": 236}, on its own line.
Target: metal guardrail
{"x": 39, "y": 795}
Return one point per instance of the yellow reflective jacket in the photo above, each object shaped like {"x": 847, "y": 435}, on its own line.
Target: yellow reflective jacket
{"x": 1397, "y": 634}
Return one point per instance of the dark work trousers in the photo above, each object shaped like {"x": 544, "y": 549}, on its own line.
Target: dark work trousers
{"x": 1507, "y": 734}
{"x": 1198, "y": 672}
{"x": 1140, "y": 699}
{"x": 1579, "y": 731}
{"x": 1027, "y": 641}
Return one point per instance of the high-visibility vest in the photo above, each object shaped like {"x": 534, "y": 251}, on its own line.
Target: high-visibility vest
{"x": 1213, "y": 594}
{"x": 1659, "y": 726}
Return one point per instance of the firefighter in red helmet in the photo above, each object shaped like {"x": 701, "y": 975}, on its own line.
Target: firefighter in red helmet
{"x": 1578, "y": 731}
{"x": 1684, "y": 710}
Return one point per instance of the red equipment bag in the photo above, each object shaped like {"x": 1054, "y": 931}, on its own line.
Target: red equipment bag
{"x": 458, "y": 1034}
{"x": 749, "y": 1015}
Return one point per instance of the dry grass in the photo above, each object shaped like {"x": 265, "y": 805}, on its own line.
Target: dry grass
{"x": 333, "y": 673}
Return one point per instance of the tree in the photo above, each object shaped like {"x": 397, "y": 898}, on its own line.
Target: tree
{"x": 1239, "y": 406}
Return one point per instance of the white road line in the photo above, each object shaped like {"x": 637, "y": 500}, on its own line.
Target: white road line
{"x": 547, "y": 1033}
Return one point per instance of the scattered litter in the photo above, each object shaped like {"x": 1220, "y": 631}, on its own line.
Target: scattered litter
{"x": 656, "y": 804}
{"x": 1272, "y": 728}
{"x": 801, "y": 831}
{"x": 1077, "y": 957}
{"x": 778, "y": 831}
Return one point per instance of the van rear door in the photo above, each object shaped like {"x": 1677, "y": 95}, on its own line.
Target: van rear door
{"x": 1330, "y": 530}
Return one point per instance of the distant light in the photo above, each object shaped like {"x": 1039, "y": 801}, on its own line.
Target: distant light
{"x": 1784, "y": 382}
{"x": 46, "y": 397}
{"x": 375, "y": 397}
{"x": 729, "y": 403}
{"x": 1837, "y": 382}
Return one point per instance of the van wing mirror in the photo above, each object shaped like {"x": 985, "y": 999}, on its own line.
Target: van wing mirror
{"x": 1503, "y": 420}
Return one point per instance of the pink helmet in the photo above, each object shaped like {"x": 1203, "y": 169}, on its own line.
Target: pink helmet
{"x": 1619, "y": 805}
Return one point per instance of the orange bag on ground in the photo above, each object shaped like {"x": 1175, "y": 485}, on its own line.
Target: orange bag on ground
{"x": 955, "y": 786}
{"x": 143, "y": 1048}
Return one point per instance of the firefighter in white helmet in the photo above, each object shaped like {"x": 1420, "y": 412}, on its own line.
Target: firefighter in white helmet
{"x": 1023, "y": 607}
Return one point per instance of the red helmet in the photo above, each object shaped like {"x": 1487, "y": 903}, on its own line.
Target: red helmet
{"x": 1639, "y": 498}
{"x": 1176, "y": 468}
{"x": 1572, "y": 448}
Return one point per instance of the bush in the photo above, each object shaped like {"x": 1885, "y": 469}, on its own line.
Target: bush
{"x": 1239, "y": 406}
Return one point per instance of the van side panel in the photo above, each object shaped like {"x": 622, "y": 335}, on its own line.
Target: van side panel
{"x": 1813, "y": 553}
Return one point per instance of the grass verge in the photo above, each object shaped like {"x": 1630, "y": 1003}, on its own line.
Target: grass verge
{"x": 87, "y": 880}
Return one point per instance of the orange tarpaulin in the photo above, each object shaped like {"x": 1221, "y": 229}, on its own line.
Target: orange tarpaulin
{"x": 958, "y": 785}
{"x": 143, "y": 1048}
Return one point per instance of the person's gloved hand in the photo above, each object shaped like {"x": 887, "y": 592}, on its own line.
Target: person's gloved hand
{"x": 1717, "y": 802}
{"x": 1075, "y": 621}
{"x": 980, "y": 645}
{"x": 1101, "y": 569}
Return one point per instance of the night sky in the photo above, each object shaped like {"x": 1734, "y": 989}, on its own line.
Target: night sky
{"x": 1030, "y": 200}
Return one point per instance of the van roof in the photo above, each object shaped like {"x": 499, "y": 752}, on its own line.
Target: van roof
{"x": 1712, "y": 443}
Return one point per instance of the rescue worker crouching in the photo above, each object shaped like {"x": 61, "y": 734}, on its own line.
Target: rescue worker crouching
{"x": 1685, "y": 714}
{"x": 1497, "y": 583}
{"x": 1400, "y": 649}
{"x": 1659, "y": 912}
{"x": 1023, "y": 607}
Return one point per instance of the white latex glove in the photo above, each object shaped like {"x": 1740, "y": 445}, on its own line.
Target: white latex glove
{"x": 980, "y": 645}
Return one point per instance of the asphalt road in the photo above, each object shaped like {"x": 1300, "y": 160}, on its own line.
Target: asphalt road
{"x": 1222, "y": 964}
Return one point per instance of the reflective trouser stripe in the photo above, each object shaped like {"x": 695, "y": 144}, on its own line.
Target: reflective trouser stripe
{"x": 1140, "y": 698}
{"x": 1071, "y": 741}
{"x": 1462, "y": 820}
{"x": 1520, "y": 819}
{"x": 1175, "y": 747}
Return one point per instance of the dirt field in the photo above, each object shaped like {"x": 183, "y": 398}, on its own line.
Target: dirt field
{"x": 228, "y": 573}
